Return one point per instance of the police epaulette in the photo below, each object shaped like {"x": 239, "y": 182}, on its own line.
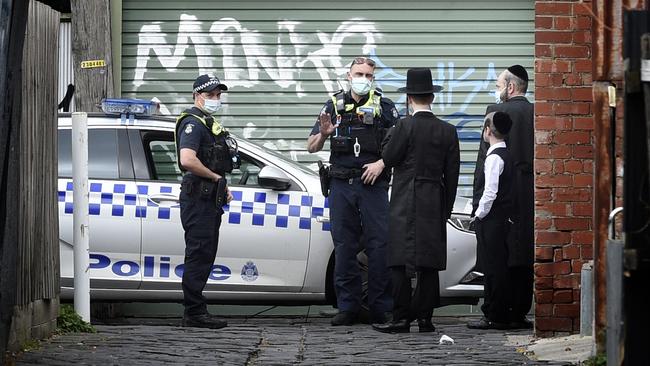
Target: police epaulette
{"x": 338, "y": 92}
{"x": 378, "y": 91}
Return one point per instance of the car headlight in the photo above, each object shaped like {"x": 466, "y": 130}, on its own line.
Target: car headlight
{"x": 460, "y": 222}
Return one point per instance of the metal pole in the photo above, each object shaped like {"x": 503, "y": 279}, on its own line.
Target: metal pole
{"x": 615, "y": 331}
{"x": 586, "y": 300}
{"x": 80, "y": 214}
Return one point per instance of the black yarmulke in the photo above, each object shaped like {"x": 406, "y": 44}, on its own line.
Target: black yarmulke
{"x": 502, "y": 122}
{"x": 519, "y": 71}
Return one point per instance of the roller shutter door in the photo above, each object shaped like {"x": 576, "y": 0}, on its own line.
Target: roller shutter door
{"x": 282, "y": 58}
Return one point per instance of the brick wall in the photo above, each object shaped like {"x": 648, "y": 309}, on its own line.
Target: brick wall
{"x": 563, "y": 161}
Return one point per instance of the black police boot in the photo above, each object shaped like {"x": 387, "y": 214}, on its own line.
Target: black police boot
{"x": 344, "y": 318}
{"x": 381, "y": 318}
{"x": 485, "y": 323}
{"x": 426, "y": 325}
{"x": 203, "y": 321}
{"x": 395, "y": 326}
{"x": 521, "y": 324}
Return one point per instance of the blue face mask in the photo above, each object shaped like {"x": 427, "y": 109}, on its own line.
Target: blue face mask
{"x": 360, "y": 86}
{"x": 211, "y": 106}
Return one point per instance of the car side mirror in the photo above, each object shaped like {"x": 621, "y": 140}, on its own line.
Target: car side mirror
{"x": 273, "y": 178}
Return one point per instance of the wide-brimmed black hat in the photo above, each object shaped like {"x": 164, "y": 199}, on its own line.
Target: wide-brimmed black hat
{"x": 419, "y": 81}
{"x": 207, "y": 83}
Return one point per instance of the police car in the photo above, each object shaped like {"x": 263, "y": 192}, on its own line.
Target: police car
{"x": 274, "y": 246}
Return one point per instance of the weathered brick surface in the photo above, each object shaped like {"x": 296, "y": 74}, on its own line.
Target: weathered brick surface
{"x": 282, "y": 342}
{"x": 563, "y": 160}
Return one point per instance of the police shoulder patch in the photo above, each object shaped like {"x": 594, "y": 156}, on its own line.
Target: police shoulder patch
{"x": 188, "y": 128}
{"x": 395, "y": 113}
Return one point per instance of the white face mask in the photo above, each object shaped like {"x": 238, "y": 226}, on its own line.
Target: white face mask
{"x": 360, "y": 86}
{"x": 211, "y": 106}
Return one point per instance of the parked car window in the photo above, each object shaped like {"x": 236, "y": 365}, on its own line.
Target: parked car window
{"x": 247, "y": 173}
{"x": 163, "y": 157}
{"x": 102, "y": 154}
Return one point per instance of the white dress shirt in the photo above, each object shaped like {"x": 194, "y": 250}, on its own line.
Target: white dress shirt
{"x": 492, "y": 169}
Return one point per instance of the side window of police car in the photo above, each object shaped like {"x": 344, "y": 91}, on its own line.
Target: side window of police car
{"x": 103, "y": 157}
{"x": 161, "y": 153}
{"x": 247, "y": 173}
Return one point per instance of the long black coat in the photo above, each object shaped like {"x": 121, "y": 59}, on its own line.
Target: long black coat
{"x": 425, "y": 154}
{"x": 520, "y": 143}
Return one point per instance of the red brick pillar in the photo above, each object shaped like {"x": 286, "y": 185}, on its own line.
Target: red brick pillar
{"x": 563, "y": 161}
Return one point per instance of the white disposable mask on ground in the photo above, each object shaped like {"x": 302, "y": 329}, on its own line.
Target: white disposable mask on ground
{"x": 360, "y": 86}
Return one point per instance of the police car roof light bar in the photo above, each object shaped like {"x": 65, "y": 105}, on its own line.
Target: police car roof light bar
{"x": 129, "y": 106}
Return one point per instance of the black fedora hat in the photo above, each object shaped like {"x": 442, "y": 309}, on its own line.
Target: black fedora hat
{"x": 419, "y": 81}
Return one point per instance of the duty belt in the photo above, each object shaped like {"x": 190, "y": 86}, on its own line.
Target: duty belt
{"x": 344, "y": 173}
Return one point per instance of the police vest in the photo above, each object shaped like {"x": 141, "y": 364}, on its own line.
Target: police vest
{"x": 216, "y": 157}
{"x": 357, "y": 125}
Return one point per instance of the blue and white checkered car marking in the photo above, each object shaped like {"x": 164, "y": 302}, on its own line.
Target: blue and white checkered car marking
{"x": 249, "y": 207}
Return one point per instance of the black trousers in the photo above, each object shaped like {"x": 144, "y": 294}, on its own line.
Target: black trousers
{"x": 201, "y": 220}
{"x": 521, "y": 279}
{"x": 419, "y": 304}
{"x": 493, "y": 253}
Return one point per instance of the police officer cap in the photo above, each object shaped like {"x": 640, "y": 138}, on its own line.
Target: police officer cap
{"x": 519, "y": 71}
{"x": 419, "y": 81}
{"x": 207, "y": 83}
{"x": 502, "y": 122}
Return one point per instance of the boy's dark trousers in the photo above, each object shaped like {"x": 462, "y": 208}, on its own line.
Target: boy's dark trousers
{"x": 493, "y": 253}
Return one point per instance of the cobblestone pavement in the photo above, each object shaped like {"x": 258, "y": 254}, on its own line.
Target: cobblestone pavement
{"x": 279, "y": 341}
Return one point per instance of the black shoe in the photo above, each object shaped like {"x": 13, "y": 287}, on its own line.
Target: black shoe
{"x": 381, "y": 318}
{"x": 395, "y": 326}
{"x": 521, "y": 324}
{"x": 426, "y": 326}
{"x": 203, "y": 321}
{"x": 344, "y": 318}
{"x": 484, "y": 323}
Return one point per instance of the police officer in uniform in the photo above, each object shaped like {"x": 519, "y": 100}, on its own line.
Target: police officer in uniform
{"x": 355, "y": 122}
{"x": 205, "y": 155}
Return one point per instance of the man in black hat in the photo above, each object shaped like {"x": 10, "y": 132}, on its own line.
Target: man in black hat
{"x": 355, "y": 123}
{"x": 492, "y": 221}
{"x": 204, "y": 157}
{"x": 512, "y": 85}
{"x": 424, "y": 152}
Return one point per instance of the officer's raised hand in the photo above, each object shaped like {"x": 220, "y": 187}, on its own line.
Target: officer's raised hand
{"x": 372, "y": 171}
{"x": 326, "y": 126}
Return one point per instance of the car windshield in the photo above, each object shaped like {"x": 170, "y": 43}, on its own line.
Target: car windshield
{"x": 280, "y": 156}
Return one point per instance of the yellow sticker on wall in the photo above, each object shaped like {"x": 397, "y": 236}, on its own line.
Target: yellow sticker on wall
{"x": 92, "y": 64}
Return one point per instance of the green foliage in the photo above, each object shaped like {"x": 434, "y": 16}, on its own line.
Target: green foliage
{"x": 30, "y": 345}
{"x": 70, "y": 322}
{"x": 598, "y": 360}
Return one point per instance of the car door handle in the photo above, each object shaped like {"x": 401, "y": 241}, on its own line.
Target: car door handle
{"x": 160, "y": 198}
{"x": 322, "y": 219}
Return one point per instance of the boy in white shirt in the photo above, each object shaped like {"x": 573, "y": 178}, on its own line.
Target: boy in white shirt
{"x": 491, "y": 219}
